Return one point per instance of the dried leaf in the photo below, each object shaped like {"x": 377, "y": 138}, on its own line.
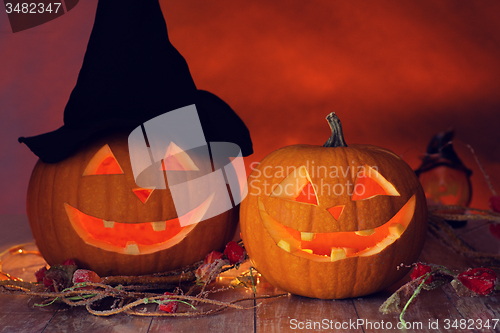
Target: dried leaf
{"x": 398, "y": 300}
{"x": 207, "y": 273}
{"x": 462, "y": 290}
{"x": 440, "y": 278}
{"x": 61, "y": 276}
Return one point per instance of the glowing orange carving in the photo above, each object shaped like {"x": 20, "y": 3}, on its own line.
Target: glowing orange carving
{"x": 143, "y": 193}
{"x": 371, "y": 183}
{"x": 131, "y": 238}
{"x": 176, "y": 159}
{"x": 307, "y": 195}
{"x": 297, "y": 186}
{"x": 328, "y": 247}
{"x": 103, "y": 163}
{"x": 336, "y": 211}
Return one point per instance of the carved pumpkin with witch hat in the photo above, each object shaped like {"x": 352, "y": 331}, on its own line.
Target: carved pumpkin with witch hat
{"x": 444, "y": 177}
{"x": 84, "y": 200}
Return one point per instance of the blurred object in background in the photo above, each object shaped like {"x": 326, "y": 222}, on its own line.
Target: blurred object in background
{"x": 445, "y": 179}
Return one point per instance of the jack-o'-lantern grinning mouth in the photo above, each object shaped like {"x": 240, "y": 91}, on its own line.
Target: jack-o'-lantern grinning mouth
{"x": 329, "y": 247}
{"x": 133, "y": 238}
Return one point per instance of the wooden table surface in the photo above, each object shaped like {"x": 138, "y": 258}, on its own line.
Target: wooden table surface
{"x": 289, "y": 313}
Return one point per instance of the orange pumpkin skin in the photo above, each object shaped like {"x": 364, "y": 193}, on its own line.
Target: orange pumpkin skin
{"x": 53, "y": 187}
{"x": 350, "y": 277}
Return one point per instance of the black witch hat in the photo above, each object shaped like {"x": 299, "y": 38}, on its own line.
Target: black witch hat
{"x": 440, "y": 152}
{"x": 130, "y": 74}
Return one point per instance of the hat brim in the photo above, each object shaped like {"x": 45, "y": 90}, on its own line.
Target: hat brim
{"x": 219, "y": 122}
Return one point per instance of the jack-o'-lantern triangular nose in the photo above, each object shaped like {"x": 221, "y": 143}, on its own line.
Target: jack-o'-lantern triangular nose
{"x": 336, "y": 211}
{"x": 143, "y": 193}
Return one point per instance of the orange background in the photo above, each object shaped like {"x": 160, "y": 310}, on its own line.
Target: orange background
{"x": 396, "y": 72}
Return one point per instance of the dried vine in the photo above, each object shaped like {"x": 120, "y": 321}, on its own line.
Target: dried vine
{"x": 129, "y": 292}
{"x": 77, "y": 297}
{"x": 444, "y": 232}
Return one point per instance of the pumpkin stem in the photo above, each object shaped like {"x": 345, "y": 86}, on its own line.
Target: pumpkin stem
{"x": 337, "y": 138}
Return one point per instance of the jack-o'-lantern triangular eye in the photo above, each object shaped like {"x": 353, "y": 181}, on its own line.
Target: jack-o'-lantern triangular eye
{"x": 371, "y": 183}
{"x": 177, "y": 159}
{"x": 297, "y": 186}
{"x": 103, "y": 163}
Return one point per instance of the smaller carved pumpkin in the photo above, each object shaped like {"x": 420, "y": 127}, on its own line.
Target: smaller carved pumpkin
{"x": 88, "y": 208}
{"x": 444, "y": 178}
{"x": 334, "y": 221}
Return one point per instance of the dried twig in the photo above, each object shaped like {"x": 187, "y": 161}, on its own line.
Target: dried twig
{"x": 128, "y": 297}
{"x": 439, "y": 228}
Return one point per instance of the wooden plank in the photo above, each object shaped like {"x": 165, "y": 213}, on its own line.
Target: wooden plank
{"x": 482, "y": 240}
{"x": 471, "y": 225}
{"x": 78, "y": 320}
{"x": 17, "y": 316}
{"x": 229, "y": 320}
{"x": 436, "y": 252}
{"x": 294, "y": 313}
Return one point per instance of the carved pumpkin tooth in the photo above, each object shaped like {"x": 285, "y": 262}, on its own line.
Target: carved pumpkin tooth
{"x": 108, "y": 224}
{"x": 377, "y": 248}
{"x": 396, "y": 230}
{"x": 285, "y": 245}
{"x": 159, "y": 226}
{"x": 368, "y": 252}
{"x": 307, "y": 236}
{"x": 337, "y": 254}
{"x": 350, "y": 251}
{"x": 385, "y": 242}
{"x": 366, "y": 232}
{"x": 132, "y": 248}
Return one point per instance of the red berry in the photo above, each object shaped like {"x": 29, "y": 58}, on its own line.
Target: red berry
{"x": 421, "y": 270}
{"x": 495, "y": 203}
{"x": 84, "y": 275}
{"x": 69, "y": 262}
{"x": 234, "y": 252}
{"x": 212, "y": 256}
{"x": 171, "y": 306}
{"x": 40, "y": 274}
{"x": 480, "y": 280}
{"x": 495, "y": 230}
{"x": 48, "y": 283}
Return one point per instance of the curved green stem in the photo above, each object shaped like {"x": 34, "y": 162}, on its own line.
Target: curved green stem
{"x": 415, "y": 293}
